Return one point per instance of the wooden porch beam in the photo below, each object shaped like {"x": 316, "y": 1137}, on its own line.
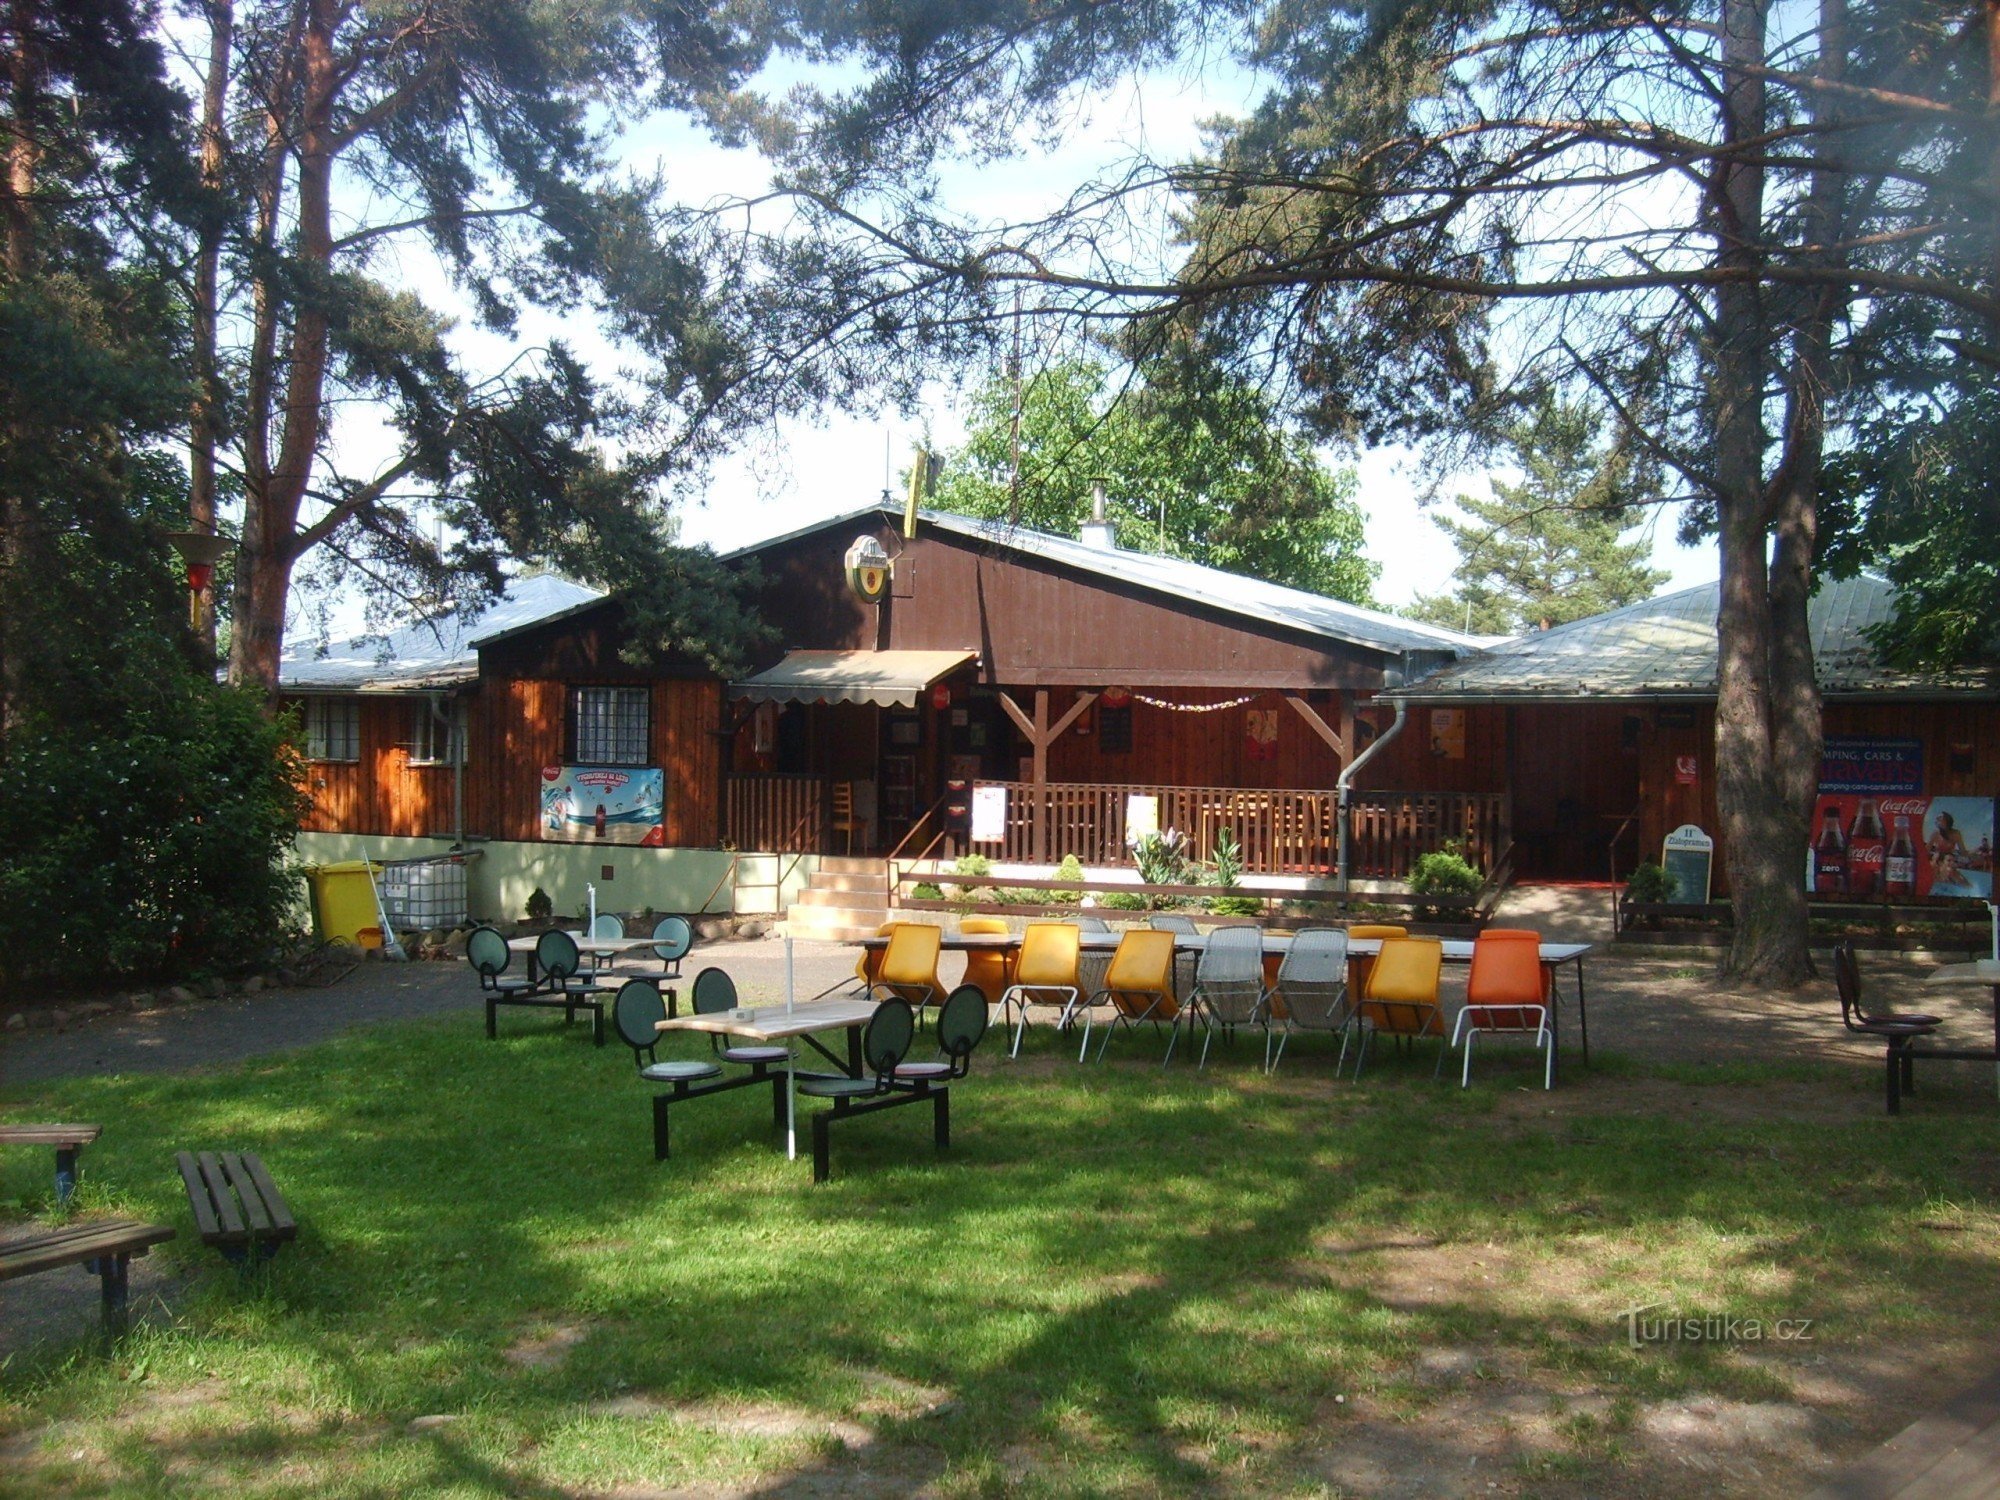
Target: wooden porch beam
{"x": 1021, "y": 721}
{"x": 1061, "y": 726}
{"x": 1320, "y": 727}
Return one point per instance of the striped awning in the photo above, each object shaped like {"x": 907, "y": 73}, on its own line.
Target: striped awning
{"x": 887, "y": 679}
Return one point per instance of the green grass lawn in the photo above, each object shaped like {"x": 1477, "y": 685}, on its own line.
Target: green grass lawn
{"x": 1118, "y": 1280}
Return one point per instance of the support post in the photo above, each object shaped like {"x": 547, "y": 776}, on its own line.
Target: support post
{"x": 1041, "y": 741}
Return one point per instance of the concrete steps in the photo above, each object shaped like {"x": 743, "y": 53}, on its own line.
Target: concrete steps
{"x": 842, "y": 900}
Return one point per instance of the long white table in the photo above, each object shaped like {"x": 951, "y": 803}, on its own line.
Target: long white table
{"x": 1456, "y": 951}
{"x": 590, "y": 947}
{"x": 1984, "y": 971}
{"x": 787, "y": 1024}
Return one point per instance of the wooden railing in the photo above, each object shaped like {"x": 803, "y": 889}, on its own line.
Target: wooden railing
{"x": 775, "y": 814}
{"x": 1281, "y": 832}
{"x": 1387, "y": 831}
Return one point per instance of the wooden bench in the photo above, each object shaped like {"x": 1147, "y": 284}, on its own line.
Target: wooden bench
{"x": 236, "y": 1206}
{"x": 67, "y": 1139}
{"x": 106, "y": 1247}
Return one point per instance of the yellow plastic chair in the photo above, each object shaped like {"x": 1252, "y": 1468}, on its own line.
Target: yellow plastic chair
{"x": 1358, "y": 964}
{"x": 1402, "y": 995}
{"x": 910, "y": 963}
{"x": 991, "y": 969}
{"x": 1045, "y": 974}
{"x": 1139, "y": 987}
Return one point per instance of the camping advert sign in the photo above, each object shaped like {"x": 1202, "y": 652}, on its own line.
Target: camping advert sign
{"x": 604, "y": 804}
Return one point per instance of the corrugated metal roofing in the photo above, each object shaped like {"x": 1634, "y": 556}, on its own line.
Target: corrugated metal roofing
{"x": 429, "y": 653}
{"x": 1666, "y": 648}
{"x": 1179, "y": 579}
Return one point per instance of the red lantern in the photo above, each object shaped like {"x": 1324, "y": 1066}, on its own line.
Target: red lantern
{"x": 1117, "y": 697}
{"x": 941, "y": 697}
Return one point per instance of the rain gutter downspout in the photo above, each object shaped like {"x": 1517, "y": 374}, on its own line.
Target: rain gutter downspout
{"x": 1347, "y": 775}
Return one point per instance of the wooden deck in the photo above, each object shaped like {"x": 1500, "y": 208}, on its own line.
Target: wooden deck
{"x": 1951, "y": 1454}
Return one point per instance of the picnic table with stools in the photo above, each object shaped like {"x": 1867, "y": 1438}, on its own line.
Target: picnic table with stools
{"x": 105, "y": 1246}
{"x": 67, "y": 1139}
{"x": 237, "y": 1208}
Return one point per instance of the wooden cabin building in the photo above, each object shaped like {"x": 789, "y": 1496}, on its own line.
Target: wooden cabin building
{"x": 1602, "y": 732}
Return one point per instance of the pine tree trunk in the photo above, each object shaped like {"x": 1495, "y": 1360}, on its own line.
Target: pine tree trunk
{"x": 205, "y": 413}
{"x": 17, "y": 511}
{"x": 1764, "y": 833}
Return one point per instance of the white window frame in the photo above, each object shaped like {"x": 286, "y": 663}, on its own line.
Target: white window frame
{"x": 600, "y": 723}
{"x": 332, "y": 730}
{"x": 435, "y": 742}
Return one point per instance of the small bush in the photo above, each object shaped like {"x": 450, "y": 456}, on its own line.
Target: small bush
{"x": 1650, "y": 885}
{"x": 1071, "y": 868}
{"x": 1123, "y": 901}
{"x": 1445, "y": 872}
{"x": 540, "y": 907}
{"x": 924, "y": 890}
{"x": 1236, "y": 906}
{"x": 1009, "y": 895}
{"x": 973, "y": 864}
{"x": 1228, "y": 861}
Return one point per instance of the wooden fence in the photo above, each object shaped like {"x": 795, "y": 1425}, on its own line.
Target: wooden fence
{"x": 1283, "y": 832}
{"x": 776, "y": 814}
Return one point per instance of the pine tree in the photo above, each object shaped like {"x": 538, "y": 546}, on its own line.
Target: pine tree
{"x": 1551, "y": 548}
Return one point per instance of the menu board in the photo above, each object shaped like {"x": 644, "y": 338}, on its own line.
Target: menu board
{"x": 1688, "y": 855}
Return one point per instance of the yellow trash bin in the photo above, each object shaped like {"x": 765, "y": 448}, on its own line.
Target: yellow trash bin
{"x": 344, "y": 900}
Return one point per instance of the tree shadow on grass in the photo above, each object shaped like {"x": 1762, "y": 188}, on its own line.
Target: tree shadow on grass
{"x": 1118, "y": 1275}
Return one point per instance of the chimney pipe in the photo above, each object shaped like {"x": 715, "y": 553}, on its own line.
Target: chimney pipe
{"x": 1097, "y": 532}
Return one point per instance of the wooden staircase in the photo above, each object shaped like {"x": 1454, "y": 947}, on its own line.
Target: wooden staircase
{"x": 844, "y": 898}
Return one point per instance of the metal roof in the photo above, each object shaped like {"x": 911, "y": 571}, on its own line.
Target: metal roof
{"x": 1666, "y": 648}
{"x": 431, "y": 653}
{"x": 888, "y": 679}
{"x": 1178, "y": 579}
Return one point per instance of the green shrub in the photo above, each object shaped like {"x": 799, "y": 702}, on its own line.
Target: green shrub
{"x": 1236, "y": 906}
{"x": 1123, "y": 901}
{"x": 1162, "y": 858}
{"x": 1071, "y": 868}
{"x": 975, "y": 865}
{"x": 924, "y": 890}
{"x": 1009, "y": 895}
{"x": 540, "y": 907}
{"x": 1228, "y": 861}
{"x": 1650, "y": 885}
{"x": 149, "y": 842}
{"x": 1445, "y": 871}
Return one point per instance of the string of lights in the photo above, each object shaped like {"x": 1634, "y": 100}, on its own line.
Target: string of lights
{"x": 1195, "y": 708}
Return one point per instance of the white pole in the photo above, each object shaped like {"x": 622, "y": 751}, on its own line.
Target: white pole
{"x": 789, "y": 987}
{"x": 590, "y": 927}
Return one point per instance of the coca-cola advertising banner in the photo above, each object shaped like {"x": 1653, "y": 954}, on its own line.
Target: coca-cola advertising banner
{"x": 1900, "y": 848}
{"x": 587, "y": 803}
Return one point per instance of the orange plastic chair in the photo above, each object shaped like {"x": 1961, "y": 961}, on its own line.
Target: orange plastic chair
{"x": 1402, "y": 994}
{"x": 1047, "y": 973}
{"x": 1358, "y": 964}
{"x": 1506, "y": 993}
{"x": 1139, "y": 987}
{"x": 991, "y": 970}
{"x": 909, "y": 964}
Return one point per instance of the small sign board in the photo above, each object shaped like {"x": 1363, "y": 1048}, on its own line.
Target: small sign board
{"x": 1142, "y": 816}
{"x": 989, "y": 814}
{"x": 1688, "y": 855}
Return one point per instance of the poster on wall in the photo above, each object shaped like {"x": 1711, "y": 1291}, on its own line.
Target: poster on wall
{"x": 604, "y": 804}
{"x": 1260, "y": 734}
{"x": 1857, "y": 763}
{"x": 1142, "y": 817}
{"x": 1901, "y": 848}
{"x": 1448, "y": 733}
{"x": 989, "y": 814}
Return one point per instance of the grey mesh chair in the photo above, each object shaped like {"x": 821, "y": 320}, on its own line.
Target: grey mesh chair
{"x": 1310, "y": 994}
{"x": 1229, "y": 984}
{"x": 1092, "y": 967}
{"x": 1166, "y": 921}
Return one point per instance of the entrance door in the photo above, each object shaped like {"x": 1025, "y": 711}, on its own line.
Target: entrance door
{"x": 1575, "y": 774}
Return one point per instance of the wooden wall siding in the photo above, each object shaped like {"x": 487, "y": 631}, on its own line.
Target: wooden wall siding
{"x": 1406, "y": 763}
{"x": 1034, "y": 623}
{"x": 381, "y": 792}
{"x": 1191, "y": 749}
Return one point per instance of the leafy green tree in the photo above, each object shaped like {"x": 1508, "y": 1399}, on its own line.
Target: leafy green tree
{"x": 1200, "y": 470}
{"x": 1551, "y": 548}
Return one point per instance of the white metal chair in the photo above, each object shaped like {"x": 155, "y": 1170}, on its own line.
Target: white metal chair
{"x": 1310, "y": 993}
{"x": 1229, "y": 984}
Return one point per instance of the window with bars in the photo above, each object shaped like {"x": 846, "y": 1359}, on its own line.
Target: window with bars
{"x": 610, "y": 726}
{"x": 435, "y": 741}
{"x": 333, "y": 729}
